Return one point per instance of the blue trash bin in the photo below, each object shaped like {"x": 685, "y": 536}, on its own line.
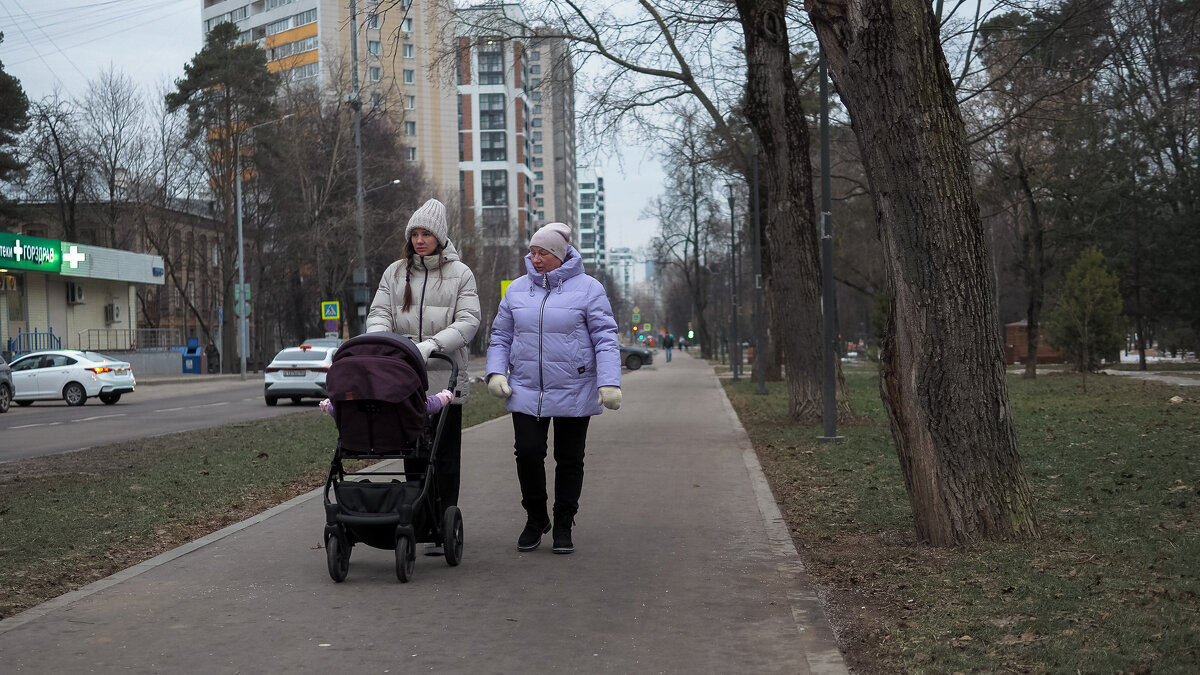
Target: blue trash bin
{"x": 192, "y": 356}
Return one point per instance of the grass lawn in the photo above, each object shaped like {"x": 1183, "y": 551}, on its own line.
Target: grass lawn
{"x": 83, "y": 516}
{"x": 1110, "y": 587}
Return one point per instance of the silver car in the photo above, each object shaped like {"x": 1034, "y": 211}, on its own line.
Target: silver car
{"x": 71, "y": 375}
{"x": 298, "y": 373}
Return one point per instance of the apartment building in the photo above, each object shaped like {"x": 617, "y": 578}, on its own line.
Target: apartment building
{"x": 399, "y": 63}
{"x": 592, "y": 244}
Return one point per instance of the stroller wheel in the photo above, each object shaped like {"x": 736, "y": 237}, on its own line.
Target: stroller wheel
{"x": 338, "y": 559}
{"x": 452, "y": 533}
{"x": 406, "y": 556}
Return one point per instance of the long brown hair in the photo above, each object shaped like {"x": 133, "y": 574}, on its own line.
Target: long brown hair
{"x": 410, "y": 254}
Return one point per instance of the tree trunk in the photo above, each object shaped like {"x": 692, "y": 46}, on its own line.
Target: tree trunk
{"x": 941, "y": 363}
{"x": 789, "y": 233}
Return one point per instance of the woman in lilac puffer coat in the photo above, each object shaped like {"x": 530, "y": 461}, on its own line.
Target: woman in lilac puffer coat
{"x": 553, "y": 355}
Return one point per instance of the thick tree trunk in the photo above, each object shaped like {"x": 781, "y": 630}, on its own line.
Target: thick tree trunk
{"x": 789, "y": 234}
{"x": 941, "y": 364}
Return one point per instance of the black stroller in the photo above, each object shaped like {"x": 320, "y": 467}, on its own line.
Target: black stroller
{"x": 377, "y": 382}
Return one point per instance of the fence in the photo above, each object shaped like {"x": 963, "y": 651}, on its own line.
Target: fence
{"x": 32, "y": 341}
{"x": 129, "y": 339}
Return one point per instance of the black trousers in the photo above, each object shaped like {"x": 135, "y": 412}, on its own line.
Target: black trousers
{"x": 570, "y": 438}
{"x": 449, "y": 457}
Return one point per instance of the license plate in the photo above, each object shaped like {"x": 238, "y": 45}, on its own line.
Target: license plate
{"x": 295, "y": 373}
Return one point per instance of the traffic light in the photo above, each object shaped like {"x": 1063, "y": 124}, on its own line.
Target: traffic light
{"x": 635, "y": 330}
{"x": 691, "y": 334}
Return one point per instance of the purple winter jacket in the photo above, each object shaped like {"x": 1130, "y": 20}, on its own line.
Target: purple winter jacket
{"x": 555, "y": 339}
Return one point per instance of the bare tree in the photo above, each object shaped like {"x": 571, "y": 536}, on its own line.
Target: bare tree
{"x": 58, "y": 159}
{"x": 112, "y": 132}
{"x": 941, "y": 365}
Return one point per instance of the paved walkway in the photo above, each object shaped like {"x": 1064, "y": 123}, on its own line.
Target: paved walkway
{"x": 683, "y": 565}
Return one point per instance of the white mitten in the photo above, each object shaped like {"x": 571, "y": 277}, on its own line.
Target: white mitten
{"x": 445, "y": 395}
{"x": 610, "y": 397}
{"x": 498, "y": 386}
{"x": 426, "y": 347}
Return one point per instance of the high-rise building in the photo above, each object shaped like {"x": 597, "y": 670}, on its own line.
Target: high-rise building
{"x": 591, "y": 218}
{"x": 400, "y": 72}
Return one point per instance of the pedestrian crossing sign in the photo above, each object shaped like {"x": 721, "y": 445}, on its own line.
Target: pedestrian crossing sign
{"x": 331, "y": 310}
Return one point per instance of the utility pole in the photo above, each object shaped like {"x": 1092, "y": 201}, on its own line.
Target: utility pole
{"x": 828, "y": 298}
{"x": 360, "y": 269}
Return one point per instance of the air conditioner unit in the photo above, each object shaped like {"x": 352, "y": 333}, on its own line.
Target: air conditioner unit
{"x": 75, "y": 295}
{"x": 112, "y": 313}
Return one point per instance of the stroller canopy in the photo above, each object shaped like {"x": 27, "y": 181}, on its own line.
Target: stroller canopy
{"x": 377, "y": 366}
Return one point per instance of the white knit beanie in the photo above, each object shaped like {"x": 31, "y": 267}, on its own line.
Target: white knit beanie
{"x": 431, "y": 216}
{"x": 554, "y": 237}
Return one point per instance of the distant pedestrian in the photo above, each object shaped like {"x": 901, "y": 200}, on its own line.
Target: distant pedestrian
{"x": 553, "y": 356}
{"x": 668, "y": 345}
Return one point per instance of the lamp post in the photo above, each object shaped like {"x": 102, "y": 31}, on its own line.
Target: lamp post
{"x": 828, "y": 298}
{"x": 735, "y": 365}
{"x": 360, "y": 270}
{"x": 243, "y": 338}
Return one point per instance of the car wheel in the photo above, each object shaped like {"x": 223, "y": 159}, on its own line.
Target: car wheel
{"x": 5, "y": 398}
{"x": 74, "y": 394}
{"x": 24, "y": 404}
{"x": 633, "y": 362}
{"x": 271, "y": 400}
{"x": 110, "y": 399}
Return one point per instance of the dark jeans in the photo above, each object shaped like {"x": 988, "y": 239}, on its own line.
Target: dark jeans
{"x": 449, "y": 456}
{"x": 570, "y": 437}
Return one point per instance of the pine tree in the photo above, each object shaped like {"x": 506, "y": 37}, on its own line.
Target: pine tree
{"x": 1085, "y": 323}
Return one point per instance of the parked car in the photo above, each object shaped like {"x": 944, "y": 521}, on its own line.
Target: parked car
{"x": 298, "y": 373}
{"x": 6, "y": 386}
{"x": 636, "y": 356}
{"x": 69, "y": 374}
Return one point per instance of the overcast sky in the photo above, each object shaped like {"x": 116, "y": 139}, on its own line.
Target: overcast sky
{"x": 63, "y": 44}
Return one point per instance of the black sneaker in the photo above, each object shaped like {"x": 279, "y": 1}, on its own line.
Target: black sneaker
{"x": 531, "y": 536}
{"x": 562, "y": 541}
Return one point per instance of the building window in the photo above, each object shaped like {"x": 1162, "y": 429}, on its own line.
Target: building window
{"x": 412, "y": 154}
{"x": 495, "y": 187}
{"x": 537, "y": 149}
{"x": 410, "y": 76}
{"x": 539, "y": 202}
{"x": 535, "y": 70}
{"x": 375, "y": 47}
{"x": 539, "y": 189}
{"x": 375, "y": 73}
{"x": 537, "y": 161}
{"x": 406, "y": 25}
{"x": 410, "y": 128}
{"x": 537, "y": 123}
{"x": 491, "y": 62}
{"x": 409, "y": 51}
{"x": 537, "y": 135}
{"x": 535, "y": 82}
{"x": 411, "y": 103}
{"x": 376, "y": 100}
{"x": 493, "y": 146}
{"x": 491, "y": 111}
{"x": 537, "y": 175}
{"x": 535, "y": 55}
{"x": 303, "y": 72}
{"x": 537, "y": 109}
{"x": 373, "y": 21}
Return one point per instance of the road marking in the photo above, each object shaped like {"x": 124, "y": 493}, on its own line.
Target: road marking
{"x": 98, "y": 417}
{"x": 211, "y": 405}
{"x": 39, "y": 424}
{"x": 167, "y": 410}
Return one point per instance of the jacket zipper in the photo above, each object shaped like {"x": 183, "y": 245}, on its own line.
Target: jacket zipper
{"x": 421, "y": 305}
{"x": 541, "y": 372}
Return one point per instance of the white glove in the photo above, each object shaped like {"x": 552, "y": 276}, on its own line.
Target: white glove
{"x": 445, "y": 395}
{"x": 426, "y": 347}
{"x": 498, "y": 386}
{"x": 610, "y": 397}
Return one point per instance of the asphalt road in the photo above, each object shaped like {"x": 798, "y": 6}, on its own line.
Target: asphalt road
{"x": 52, "y": 427}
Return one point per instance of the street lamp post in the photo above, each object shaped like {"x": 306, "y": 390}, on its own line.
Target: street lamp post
{"x": 760, "y": 369}
{"x": 733, "y": 294}
{"x": 828, "y": 298}
{"x": 360, "y": 270}
{"x": 243, "y": 336}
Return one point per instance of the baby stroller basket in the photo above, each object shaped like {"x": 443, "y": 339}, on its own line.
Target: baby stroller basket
{"x": 377, "y": 383}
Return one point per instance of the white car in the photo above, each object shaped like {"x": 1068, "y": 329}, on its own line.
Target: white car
{"x": 69, "y": 374}
{"x": 298, "y": 373}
